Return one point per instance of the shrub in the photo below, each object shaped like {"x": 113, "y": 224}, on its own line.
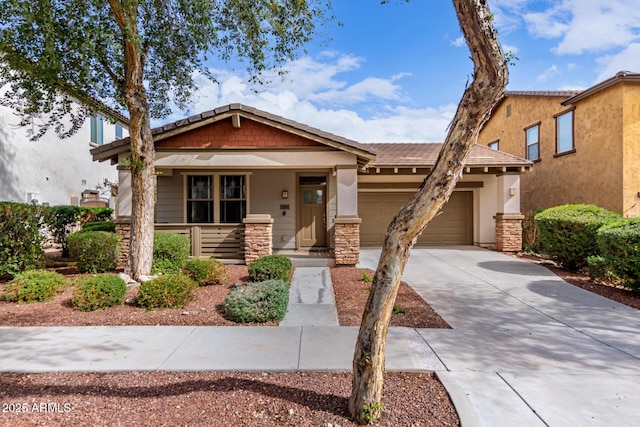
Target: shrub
{"x": 568, "y": 232}
{"x": 167, "y": 291}
{"x": 96, "y": 251}
{"x": 98, "y": 292}
{"x": 61, "y": 221}
{"x": 530, "y": 232}
{"x": 598, "y": 268}
{"x": 92, "y": 214}
{"x": 34, "y": 286}
{"x": 108, "y": 226}
{"x": 170, "y": 252}
{"x": 270, "y": 267}
{"x": 21, "y": 238}
{"x": 205, "y": 271}
{"x": 257, "y": 302}
{"x": 619, "y": 243}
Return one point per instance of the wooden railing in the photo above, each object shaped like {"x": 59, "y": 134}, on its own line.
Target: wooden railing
{"x": 222, "y": 241}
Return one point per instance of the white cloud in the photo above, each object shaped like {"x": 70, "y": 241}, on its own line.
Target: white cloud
{"x": 548, "y": 73}
{"x": 458, "y": 42}
{"x": 626, "y": 60}
{"x": 314, "y": 94}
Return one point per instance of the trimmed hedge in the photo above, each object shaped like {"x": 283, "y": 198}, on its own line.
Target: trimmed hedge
{"x": 170, "y": 252}
{"x": 108, "y": 226}
{"x": 257, "y": 302}
{"x": 619, "y": 244}
{"x": 21, "y": 238}
{"x": 96, "y": 251}
{"x": 205, "y": 271}
{"x": 568, "y": 232}
{"x": 98, "y": 292}
{"x": 270, "y": 267}
{"x": 166, "y": 291}
{"x": 34, "y": 286}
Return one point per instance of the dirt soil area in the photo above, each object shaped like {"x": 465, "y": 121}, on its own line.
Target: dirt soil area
{"x": 213, "y": 398}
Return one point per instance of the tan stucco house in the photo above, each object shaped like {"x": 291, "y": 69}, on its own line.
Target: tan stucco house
{"x": 242, "y": 183}
{"x": 585, "y": 145}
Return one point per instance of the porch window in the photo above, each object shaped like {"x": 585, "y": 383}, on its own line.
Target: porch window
{"x": 200, "y": 199}
{"x": 533, "y": 142}
{"x": 233, "y": 200}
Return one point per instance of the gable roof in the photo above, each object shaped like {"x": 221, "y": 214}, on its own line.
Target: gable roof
{"x": 425, "y": 154}
{"x": 542, "y": 93}
{"x": 235, "y": 112}
{"x": 621, "y": 76}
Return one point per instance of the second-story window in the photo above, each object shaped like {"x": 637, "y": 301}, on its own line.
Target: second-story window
{"x": 118, "y": 131}
{"x": 96, "y": 129}
{"x": 532, "y": 142}
{"x": 564, "y": 132}
{"x": 494, "y": 145}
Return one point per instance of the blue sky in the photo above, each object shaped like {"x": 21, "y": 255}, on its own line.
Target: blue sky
{"x": 395, "y": 72}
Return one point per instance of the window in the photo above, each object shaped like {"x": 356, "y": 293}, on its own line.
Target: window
{"x": 564, "y": 132}
{"x": 493, "y": 145}
{"x": 96, "y": 129}
{"x": 226, "y": 192}
{"x": 118, "y": 131}
{"x": 533, "y": 142}
{"x": 509, "y": 110}
{"x": 199, "y": 199}
{"x": 233, "y": 202}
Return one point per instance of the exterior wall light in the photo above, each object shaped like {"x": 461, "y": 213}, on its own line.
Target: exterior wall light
{"x": 285, "y": 194}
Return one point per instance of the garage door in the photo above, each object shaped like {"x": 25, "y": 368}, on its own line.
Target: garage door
{"x": 454, "y": 226}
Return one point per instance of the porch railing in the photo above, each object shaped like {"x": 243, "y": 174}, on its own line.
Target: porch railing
{"x": 222, "y": 241}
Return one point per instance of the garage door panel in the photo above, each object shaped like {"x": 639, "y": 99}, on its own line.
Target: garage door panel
{"x": 453, "y": 226}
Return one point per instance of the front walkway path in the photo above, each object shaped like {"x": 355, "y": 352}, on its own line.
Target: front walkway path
{"x": 311, "y": 299}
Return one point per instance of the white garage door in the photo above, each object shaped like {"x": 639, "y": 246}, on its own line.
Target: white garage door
{"x": 454, "y": 226}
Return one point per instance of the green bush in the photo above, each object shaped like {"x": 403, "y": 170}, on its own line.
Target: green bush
{"x": 270, "y": 267}
{"x": 21, "y": 237}
{"x": 205, "y": 271}
{"x": 257, "y": 302}
{"x": 108, "y": 226}
{"x": 61, "y": 221}
{"x": 568, "y": 232}
{"x": 598, "y": 268}
{"x": 34, "y": 286}
{"x": 170, "y": 252}
{"x": 167, "y": 291}
{"x": 98, "y": 292}
{"x": 96, "y": 251}
{"x": 619, "y": 243}
{"x": 93, "y": 214}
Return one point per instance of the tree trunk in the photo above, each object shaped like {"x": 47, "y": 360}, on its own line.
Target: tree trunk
{"x": 142, "y": 158}
{"x": 490, "y": 79}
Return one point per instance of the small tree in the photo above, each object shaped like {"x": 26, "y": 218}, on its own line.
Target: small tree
{"x": 489, "y": 80}
{"x": 138, "y": 55}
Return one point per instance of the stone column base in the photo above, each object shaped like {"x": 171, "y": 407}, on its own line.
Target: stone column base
{"x": 123, "y": 229}
{"x": 258, "y": 237}
{"x": 509, "y": 232}
{"x": 347, "y": 240}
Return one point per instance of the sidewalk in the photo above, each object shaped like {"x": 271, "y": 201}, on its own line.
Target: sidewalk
{"x": 526, "y": 348}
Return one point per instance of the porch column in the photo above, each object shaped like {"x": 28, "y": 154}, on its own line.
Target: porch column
{"x": 258, "y": 236}
{"x": 123, "y": 229}
{"x": 346, "y": 229}
{"x": 508, "y": 218}
{"x": 123, "y": 205}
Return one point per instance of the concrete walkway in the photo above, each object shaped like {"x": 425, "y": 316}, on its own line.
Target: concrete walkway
{"x": 311, "y": 300}
{"x": 526, "y": 348}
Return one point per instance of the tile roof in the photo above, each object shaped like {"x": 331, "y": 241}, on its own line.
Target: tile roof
{"x": 425, "y": 155}
{"x": 547, "y": 93}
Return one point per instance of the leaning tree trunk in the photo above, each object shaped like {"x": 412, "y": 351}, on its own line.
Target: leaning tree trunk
{"x": 489, "y": 80}
{"x": 142, "y": 158}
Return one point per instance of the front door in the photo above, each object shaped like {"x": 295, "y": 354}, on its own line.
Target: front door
{"x": 312, "y": 219}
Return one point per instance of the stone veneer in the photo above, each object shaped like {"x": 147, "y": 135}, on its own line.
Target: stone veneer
{"x": 123, "y": 229}
{"x": 258, "y": 237}
{"x": 508, "y": 232}
{"x": 347, "y": 240}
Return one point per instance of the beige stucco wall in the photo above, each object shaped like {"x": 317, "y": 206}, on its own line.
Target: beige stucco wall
{"x": 591, "y": 174}
{"x": 631, "y": 130}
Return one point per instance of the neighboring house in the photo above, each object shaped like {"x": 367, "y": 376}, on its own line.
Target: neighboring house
{"x": 57, "y": 171}
{"x": 585, "y": 145}
{"x": 243, "y": 183}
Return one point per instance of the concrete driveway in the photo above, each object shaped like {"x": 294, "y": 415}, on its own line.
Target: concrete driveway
{"x": 527, "y": 348}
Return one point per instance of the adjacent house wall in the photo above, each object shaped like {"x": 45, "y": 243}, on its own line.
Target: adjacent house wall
{"x": 591, "y": 174}
{"x": 52, "y": 170}
{"x": 631, "y": 132}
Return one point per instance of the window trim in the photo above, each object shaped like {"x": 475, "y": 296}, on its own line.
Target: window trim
{"x": 216, "y": 193}
{"x": 96, "y": 130}
{"x": 526, "y": 141}
{"x": 573, "y": 135}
